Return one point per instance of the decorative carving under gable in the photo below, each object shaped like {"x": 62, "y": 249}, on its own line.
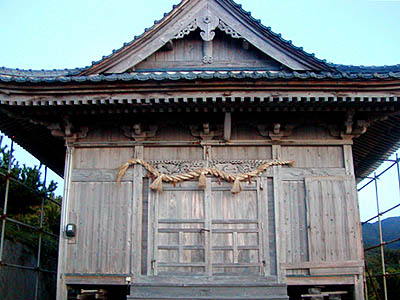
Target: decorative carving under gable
{"x": 228, "y": 30}
{"x": 207, "y": 25}
{"x": 137, "y": 133}
{"x": 208, "y": 32}
{"x": 187, "y": 30}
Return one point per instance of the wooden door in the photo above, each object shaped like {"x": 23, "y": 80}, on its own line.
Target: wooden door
{"x": 237, "y": 231}
{"x": 207, "y": 232}
{"x": 333, "y": 219}
{"x": 178, "y": 231}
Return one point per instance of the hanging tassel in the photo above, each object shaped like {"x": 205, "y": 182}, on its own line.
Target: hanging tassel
{"x": 122, "y": 170}
{"x": 237, "y": 187}
{"x": 202, "y": 180}
{"x": 157, "y": 184}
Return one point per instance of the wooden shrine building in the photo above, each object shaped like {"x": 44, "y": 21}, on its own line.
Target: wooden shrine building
{"x": 237, "y": 154}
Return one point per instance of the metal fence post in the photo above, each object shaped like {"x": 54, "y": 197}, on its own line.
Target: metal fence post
{"x": 380, "y": 237}
{"x": 4, "y": 215}
{"x": 39, "y": 253}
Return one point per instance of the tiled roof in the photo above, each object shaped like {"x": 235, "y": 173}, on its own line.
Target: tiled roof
{"x": 65, "y": 76}
{"x": 8, "y": 72}
{"x": 339, "y": 72}
{"x": 366, "y": 69}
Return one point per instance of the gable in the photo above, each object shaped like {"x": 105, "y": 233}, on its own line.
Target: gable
{"x": 201, "y": 22}
{"x": 228, "y": 53}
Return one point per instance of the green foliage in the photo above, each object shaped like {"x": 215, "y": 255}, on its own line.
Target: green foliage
{"x": 27, "y": 193}
{"x": 392, "y": 263}
{"x": 23, "y": 198}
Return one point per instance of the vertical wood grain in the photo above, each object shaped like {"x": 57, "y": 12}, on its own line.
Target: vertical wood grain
{"x": 277, "y": 185}
{"x": 314, "y": 156}
{"x": 332, "y": 213}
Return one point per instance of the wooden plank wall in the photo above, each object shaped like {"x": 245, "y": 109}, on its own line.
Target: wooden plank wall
{"x": 317, "y": 192}
{"x": 292, "y": 210}
{"x": 101, "y": 211}
{"x": 188, "y": 53}
{"x": 333, "y": 234}
{"x": 318, "y": 213}
{"x": 271, "y": 227}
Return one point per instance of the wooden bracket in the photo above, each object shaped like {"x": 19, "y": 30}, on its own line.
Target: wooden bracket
{"x": 66, "y": 130}
{"x": 277, "y": 133}
{"x": 352, "y": 128}
{"x": 137, "y": 133}
{"x": 205, "y": 134}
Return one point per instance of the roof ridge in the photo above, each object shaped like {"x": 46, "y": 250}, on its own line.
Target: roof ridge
{"x": 363, "y": 68}
{"x": 43, "y": 72}
{"x": 136, "y": 37}
{"x": 278, "y": 35}
{"x": 203, "y": 74}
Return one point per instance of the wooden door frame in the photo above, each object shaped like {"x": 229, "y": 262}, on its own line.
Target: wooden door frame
{"x": 262, "y": 227}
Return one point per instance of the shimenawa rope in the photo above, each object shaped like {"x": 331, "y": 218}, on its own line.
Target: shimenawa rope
{"x": 199, "y": 173}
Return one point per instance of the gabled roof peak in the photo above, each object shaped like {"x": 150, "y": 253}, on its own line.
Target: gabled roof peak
{"x": 190, "y": 12}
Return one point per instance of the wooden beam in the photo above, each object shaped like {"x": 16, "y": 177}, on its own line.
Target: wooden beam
{"x": 323, "y": 265}
{"x": 319, "y": 280}
{"x": 212, "y": 143}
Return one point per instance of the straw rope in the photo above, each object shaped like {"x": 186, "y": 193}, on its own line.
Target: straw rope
{"x": 198, "y": 173}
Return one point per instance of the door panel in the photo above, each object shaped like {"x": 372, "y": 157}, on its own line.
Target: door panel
{"x": 179, "y": 242}
{"x": 236, "y": 231}
{"x": 334, "y": 234}
{"x": 206, "y": 232}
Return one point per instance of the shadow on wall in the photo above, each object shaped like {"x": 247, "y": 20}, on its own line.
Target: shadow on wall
{"x": 19, "y": 284}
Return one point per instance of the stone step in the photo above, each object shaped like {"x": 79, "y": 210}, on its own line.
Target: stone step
{"x": 204, "y": 292}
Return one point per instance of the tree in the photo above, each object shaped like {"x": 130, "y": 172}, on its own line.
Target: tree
{"x": 27, "y": 190}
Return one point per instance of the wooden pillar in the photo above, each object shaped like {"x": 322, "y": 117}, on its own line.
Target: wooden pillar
{"x": 349, "y": 167}
{"x": 136, "y": 216}
{"x": 277, "y": 154}
{"x": 62, "y": 253}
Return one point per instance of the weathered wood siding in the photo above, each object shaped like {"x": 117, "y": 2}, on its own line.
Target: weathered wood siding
{"x": 293, "y": 226}
{"x": 314, "y": 156}
{"x": 101, "y": 210}
{"x": 332, "y": 218}
{"x": 290, "y": 221}
{"x": 242, "y": 152}
{"x": 227, "y": 53}
{"x": 173, "y": 153}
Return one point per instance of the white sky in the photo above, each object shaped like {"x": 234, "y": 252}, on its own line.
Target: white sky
{"x": 45, "y": 34}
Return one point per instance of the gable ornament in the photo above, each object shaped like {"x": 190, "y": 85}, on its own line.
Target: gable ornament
{"x": 207, "y": 25}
